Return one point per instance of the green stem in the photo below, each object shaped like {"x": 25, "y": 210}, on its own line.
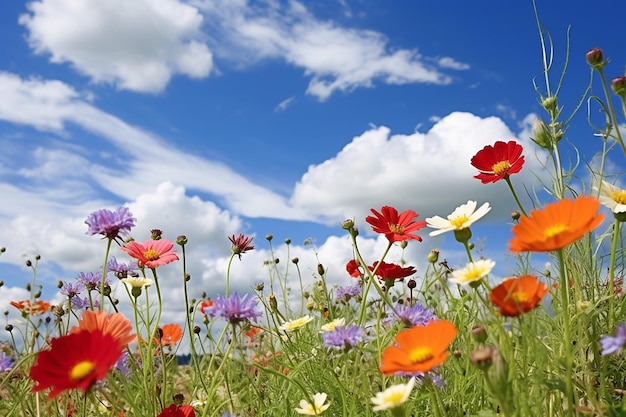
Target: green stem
{"x": 567, "y": 342}
{"x": 519, "y": 204}
{"x": 104, "y": 274}
{"x": 230, "y": 261}
{"x": 616, "y": 232}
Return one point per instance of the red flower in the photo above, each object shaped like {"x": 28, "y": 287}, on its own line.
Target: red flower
{"x": 353, "y": 268}
{"x": 498, "y": 161}
{"x": 151, "y": 253}
{"x": 76, "y": 360}
{"x": 515, "y": 296}
{"x": 392, "y": 271}
{"x": 241, "y": 244}
{"x": 178, "y": 411}
{"x": 396, "y": 227}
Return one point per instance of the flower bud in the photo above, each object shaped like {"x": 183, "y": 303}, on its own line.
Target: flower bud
{"x": 29, "y": 263}
{"x": 320, "y": 269}
{"x": 411, "y": 284}
{"x": 287, "y": 241}
{"x": 618, "y": 85}
{"x": 269, "y": 237}
{"x": 433, "y": 256}
{"x": 549, "y": 103}
{"x": 196, "y": 329}
{"x": 595, "y": 58}
{"x": 482, "y": 357}
{"x": 3, "y": 249}
{"x": 404, "y": 244}
{"x": 515, "y": 215}
{"x": 479, "y": 333}
{"x": 273, "y": 302}
{"x": 347, "y": 224}
{"x": 178, "y": 399}
{"x": 155, "y": 234}
{"x": 181, "y": 240}
{"x": 8, "y": 328}
{"x": 259, "y": 286}
{"x": 542, "y": 136}
{"x": 295, "y": 260}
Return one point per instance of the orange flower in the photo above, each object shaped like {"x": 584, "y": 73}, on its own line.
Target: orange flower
{"x": 418, "y": 349}
{"x": 37, "y": 308}
{"x": 253, "y": 332}
{"x": 556, "y": 225}
{"x": 171, "y": 334}
{"x": 116, "y": 324}
{"x": 515, "y": 296}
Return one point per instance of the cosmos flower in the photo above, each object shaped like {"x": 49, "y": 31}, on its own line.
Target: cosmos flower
{"x": 461, "y": 218}
{"x": 394, "y": 396}
{"x": 37, "y": 308}
{"x": 353, "y": 268}
{"x": 75, "y": 361}
{"x": 110, "y": 224}
{"x": 151, "y": 253}
{"x": 498, "y": 161}
{"x": 515, "y": 296}
{"x": 556, "y": 225}
{"x": 612, "y": 197}
{"x": 178, "y": 411}
{"x": 342, "y": 337}
{"x": 472, "y": 272}
{"x": 233, "y": 308}
{"x": 137, "y": 282}
{"x": 614, "y": 344}
{"x": 396, "y": 227}
{"x": 418, "y": 349}
{"x": 171, "y": 334}
{"x": 290, "y": 326}
{"x": 241, "y": 244}
{"x": 315, "y": 409}
{"x": 115, "y": 324}
{"x": 391, "y": 271}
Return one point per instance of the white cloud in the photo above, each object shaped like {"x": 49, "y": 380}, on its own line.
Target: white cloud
{"x": 337, "y": 59}
{"x": 136, "y": 45}
{"x": 427, "y": 172}
{"x": 451, "y": 63}
{"x": 282, "y": 106}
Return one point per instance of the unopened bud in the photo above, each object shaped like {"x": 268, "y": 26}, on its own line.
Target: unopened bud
{"x": 515, "y": 215}
{"x": 155, "y": 234}
{"x": 273, "y": 302}
{"x": 618, "y": 85}
{"x": 196, "y": 329}
{"x": 411, "y": 284}
{"x": 433, "y": 256}
{"x": 549, "y": 103}
{"x": 479, "y": 333}
{"x": 259, "y": 286}
{"x": 295, "y": 260}
{"x": 178, "y": 399}
{"x": 541, "y": 135}
{"x": 347, "y": 224}
{"x": 29, "y": 263}
{"x": 404, "y": 244}
{"x": 181, "y": 240}
{"x": 482, "y": 357}
{"x": 8, "y": 327}
{"x": 60, "y": 284}
{"x": 269, "y": 237}
{"x": 595, "y": 58}
{"x": 320, "y": 269}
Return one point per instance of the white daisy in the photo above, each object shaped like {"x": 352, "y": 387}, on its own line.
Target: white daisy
{"x": 472, "y": 272}
{"x": 290, "y": 326}
{"x": 393, "y": 396}
{"x": 461, "y": 218}
{"x": 315, "y": 409}
{"x": 611, "y": 196}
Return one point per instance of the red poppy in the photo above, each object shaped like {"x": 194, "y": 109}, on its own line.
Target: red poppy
{"x": 396, "y": 227}
{"x": 241, "y": 244}
{"x": 33, "y": 309}
{"x": 392, "y": 271}
{"x": 171, "y": 334}
{"x": 498, "y": 161}
{"x": 353, "y": 268}
{"x": 515, "y": 296}
{"x": 151, "y": 253}
{"x": 76, "y": 360}
{"x": 418, "y": 349}
{"x": 178, "y": 411}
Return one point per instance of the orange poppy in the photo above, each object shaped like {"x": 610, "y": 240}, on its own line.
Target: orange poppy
{"x": 556, "y": 225}
{"x": 171, "y": 334}
{"x": 33, "y": 309}
{"x": 116, "y": 324}
{"x": 418, "y": 349}
{"x": 515, "y": 296}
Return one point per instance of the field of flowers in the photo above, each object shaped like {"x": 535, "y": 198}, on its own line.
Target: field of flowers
{"x": 442, "y": 342}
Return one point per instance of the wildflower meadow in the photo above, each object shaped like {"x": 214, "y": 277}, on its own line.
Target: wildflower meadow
{"x": 394, "y": 339}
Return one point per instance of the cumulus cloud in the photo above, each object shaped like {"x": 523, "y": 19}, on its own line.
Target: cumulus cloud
{"x": 336, "y": 58}
{"x": 451, "y": 63}
{"x": 138, "y": 45}
{"x": 428, "y": 172}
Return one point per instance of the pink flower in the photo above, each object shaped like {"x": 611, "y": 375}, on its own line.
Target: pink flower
{"x": 151, "y": 253}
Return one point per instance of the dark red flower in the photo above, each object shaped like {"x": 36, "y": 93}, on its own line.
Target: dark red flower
{"x": 76, "y": 360}
{"x": 498, "y": 161}
{"x": 241, "y": 244}
{"x": 353, "y": 268}
{"x": 396, "y": 227}
{"x": 392, "y": 271}
{"x": 178, "y": 411}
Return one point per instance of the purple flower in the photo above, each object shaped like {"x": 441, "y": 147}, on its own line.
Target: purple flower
{"x": 346, "y": 293}
{"x": 614, "y": 344}
{"x": 83, "y": 303}
{"x": 233, "y": 308}
{"x": 415, "y": 315}
{"x": 71, "y": 290}
{"x": 422, "y": 377}
{"x": 122, "y": 364}
{"x": 342, "y": 337}
{"x": 109, "y": 223}
{"x": 91, "y": 281}
{"x": 6, "y": 362}
{"x": 121, "y": 270}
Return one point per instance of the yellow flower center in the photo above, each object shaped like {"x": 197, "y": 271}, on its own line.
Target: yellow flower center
{"x": 396, "y": 228}
{"x": 619, "y": 196}
{"x": 151, "y": 255}
{"x": 420, "y": 354}
{"x": 81, "y": 370}
{"x": 501, "y": 167}
{"x": 555, "y": 229}
{"x": 519, "y": 297}
{"x": 459, "y": 221}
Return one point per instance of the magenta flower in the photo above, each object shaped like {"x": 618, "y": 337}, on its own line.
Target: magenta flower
{"x": 151, "y": 253}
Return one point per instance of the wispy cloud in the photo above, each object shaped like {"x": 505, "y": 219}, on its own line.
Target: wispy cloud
{"x": 282, "y": 106}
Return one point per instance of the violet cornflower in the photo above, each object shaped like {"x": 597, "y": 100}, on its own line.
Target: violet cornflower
{"x": 82, "y": 303}
{"x": 121, "y": 270}
{"x": 614, "y": 344}
{"x": 415, "y": 315}
{"x": 346, "y": 293}
{"x": 342, "y": 337}
{"x": 71, "y": 290}
{"x": 233, "y": 308}
{"x": 6, "y": 362}
{"x": 110, "y": 224}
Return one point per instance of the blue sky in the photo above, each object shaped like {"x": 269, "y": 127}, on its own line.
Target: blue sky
{"x": 209, "y": 118}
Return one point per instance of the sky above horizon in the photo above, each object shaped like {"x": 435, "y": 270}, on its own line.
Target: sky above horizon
{"x": 213, "y": 118}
